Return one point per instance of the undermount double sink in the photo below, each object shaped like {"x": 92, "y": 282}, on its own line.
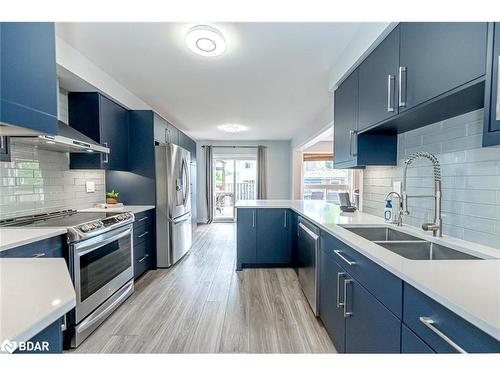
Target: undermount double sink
{"x": 408, "y": 246}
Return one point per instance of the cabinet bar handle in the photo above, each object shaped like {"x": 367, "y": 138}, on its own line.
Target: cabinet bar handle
{"x": 106, "y": 156}
{"x": 144, "y": 218}
{"x": 39, "y": 255}
{"x": 390, "y": 107}
{"x": 339, "y": 303}
{"x": 402, "y": 103}
{"x": 253, "y": 218}
{"x": 347, "y": 314}
{"x": 64, "y": 324}
{"x": 497, "y": 107}
{"x": 142, "y": 259}
{"x": 349, "y": 262}
{"x": 351, "y": 132}
{"x": 429, "y": 323}
{"x": 142, "y": 234}
{"x": 284, "y": 219}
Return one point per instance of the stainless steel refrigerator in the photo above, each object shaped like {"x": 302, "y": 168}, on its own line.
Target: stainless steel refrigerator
{"x": 173, "y": 204}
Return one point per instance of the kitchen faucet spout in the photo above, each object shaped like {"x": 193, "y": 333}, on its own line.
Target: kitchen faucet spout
{"x": 436, "y": 227}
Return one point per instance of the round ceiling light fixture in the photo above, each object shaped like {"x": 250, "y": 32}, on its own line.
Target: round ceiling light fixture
{"x": 205, "y": 40}
{"x": 232, "y": 128}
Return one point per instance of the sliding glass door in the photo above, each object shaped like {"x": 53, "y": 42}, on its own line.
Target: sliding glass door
{"x": 234, "y": 179}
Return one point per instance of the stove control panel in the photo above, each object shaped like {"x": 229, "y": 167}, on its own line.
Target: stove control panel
{"x": 104, "y": 223}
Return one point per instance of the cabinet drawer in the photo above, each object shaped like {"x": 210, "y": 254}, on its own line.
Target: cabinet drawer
{"x": 143, "y": 233}
{"x": 412, "y": 344}
{"x": 145, "y": 217}
{"x": 142, "y": 258}
{"x": 445, "y": 323}
{"x": 381, "y": 283}
{"x": 48, "y": 248}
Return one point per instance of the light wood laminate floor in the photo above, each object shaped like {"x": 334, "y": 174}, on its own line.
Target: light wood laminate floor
{"x": 201, "y": 305}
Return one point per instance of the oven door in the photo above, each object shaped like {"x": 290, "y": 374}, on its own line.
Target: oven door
{"x": 101, "y": 266}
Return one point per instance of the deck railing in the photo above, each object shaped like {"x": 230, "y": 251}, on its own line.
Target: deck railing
{"x": 240, "y": 190}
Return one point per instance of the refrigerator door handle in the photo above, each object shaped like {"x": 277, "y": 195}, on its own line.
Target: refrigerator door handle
{"x": 182, "y": 218}
{"x": 186, "y": 178}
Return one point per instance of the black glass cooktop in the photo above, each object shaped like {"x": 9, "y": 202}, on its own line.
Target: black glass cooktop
{"x": 63, "y": 219}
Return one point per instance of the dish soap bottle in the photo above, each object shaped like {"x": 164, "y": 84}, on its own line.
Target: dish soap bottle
{"x": 388, "y": 211}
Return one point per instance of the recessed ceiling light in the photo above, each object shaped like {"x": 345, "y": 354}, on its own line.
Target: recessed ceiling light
{"x": 232, "y": 128}
{"x": 205, "y": 40}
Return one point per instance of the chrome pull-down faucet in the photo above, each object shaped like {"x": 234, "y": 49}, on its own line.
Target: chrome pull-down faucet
{"x": 436, "y": 227}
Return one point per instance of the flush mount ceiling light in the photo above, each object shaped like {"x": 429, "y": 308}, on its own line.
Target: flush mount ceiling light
{"x": 205, "y": 40}
{"x": 232, "y": 128}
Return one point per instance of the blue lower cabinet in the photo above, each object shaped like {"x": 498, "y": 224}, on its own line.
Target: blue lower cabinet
{"x": 330, "y": 312}
{"x": 246, "y": 238}
{"x": 443, "y": 330}
{"x": 144, "y": 242}
{"x": 48, "y": 341}
{"x": 263, "y": 237}
{"x": 49, "y": 248}
{"x": 273, "y": 236}
{"x": 385, "y": 286}
{"x": 370, "y": 326}
{"x": 412, "y": 344}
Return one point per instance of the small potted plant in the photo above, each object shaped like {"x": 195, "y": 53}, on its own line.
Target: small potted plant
{"x": 112, "y": 197}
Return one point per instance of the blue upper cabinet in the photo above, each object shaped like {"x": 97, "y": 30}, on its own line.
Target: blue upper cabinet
{"x": 378, "y": 78}
{"x": 187, "y": 143}
{"x": 107, "y": 123}
{"x": 491, "y": 135}
{"x": 419, "y": 74}
{"x": 350, "y": 148}
{"x": 28, "y": 88}
{"x": 436, "y": 57}
{"x": 345, "y": 120}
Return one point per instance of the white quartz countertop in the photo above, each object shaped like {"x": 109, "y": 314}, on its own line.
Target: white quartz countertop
{"x": 14, "y": 237}
{"x": 470, "y": 288}
{"x": 34, "y": 292}
{"x": 133, "y": 209}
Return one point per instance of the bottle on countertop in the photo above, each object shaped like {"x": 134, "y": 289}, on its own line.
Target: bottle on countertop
{"x": 388, "y": 212}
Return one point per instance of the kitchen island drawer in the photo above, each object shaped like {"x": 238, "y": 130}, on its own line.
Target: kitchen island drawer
{"x": 49, "y": 248}
{"x": 385, "y": 286}
{"x": 443, "y": 330}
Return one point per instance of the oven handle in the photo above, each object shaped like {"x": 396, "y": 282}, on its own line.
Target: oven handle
{"x": 103, "y": 241}
{"x": 94, "y": 318}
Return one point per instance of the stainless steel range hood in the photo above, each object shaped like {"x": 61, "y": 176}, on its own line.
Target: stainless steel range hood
{"x": 68, "y": 140}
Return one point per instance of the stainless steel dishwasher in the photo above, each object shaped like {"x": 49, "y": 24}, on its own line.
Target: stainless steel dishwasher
{"x": 308, "y": 250}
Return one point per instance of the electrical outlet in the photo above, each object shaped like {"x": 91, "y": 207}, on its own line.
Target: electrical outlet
{"x": 396, "y": 186}
{"x": 90, "y": 186}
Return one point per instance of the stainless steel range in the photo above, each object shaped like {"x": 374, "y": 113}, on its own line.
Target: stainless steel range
{"x": 100, "y": 261}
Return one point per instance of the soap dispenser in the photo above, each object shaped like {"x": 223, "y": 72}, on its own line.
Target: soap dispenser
{"x": 388, "y": 213}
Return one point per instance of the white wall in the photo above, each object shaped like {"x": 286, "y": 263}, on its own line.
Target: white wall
{"x": 321, "y": 147}
{"x": 71, "y": 60}
{"x": 362, "y": 43}
{"x": 278, "y": 170}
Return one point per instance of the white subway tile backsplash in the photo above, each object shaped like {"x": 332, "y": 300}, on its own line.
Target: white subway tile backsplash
{"x": 37, "y": 181}
{"x": 470, "y": 179}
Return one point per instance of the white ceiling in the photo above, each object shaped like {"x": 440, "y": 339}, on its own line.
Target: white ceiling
{"x": 273, "y": 77}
